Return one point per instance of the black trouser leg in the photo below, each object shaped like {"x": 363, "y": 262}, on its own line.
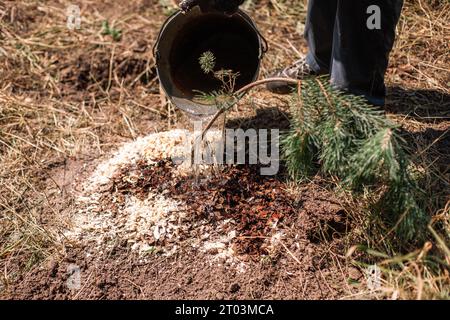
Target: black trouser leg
{"x": 340, "y": 43}
{"x": 319, "y": 32}
{"x": 360, "y": 55}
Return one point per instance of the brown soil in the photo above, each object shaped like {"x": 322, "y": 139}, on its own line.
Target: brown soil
{"x": 254, "y": 202}
{"x": 297, "y": 268}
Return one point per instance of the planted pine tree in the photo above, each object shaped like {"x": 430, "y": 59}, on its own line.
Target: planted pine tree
{"x": 341, "y": 135}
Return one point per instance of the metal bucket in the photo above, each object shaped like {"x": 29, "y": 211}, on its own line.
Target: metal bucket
{"x": 234, "y": 40}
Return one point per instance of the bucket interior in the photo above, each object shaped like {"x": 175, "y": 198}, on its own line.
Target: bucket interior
{"x": 233, "y": 41}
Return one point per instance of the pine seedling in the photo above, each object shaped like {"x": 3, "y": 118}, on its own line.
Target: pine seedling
{"x": 207, "y": 62}
{"x": 222, "y": 98}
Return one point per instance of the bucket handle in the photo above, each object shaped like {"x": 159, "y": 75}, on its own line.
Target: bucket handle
{"x": 158, "y": 39}
{"x": 265, "y": 45}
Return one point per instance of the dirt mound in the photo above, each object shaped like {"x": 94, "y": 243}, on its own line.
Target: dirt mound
{"x": 94, "y": 70}
{"x": 243, "y": 202}
{"x": 296, "y": 268}
{"x": 144, "y": 230}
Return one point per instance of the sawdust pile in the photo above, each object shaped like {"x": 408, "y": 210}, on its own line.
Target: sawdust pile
{"x": 146, "y": 199}
{"x": 150, "y": 222}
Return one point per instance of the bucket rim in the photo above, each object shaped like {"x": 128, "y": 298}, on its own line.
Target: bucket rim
{"x": 264, "y": 46}
{"x": 196, "y": 109}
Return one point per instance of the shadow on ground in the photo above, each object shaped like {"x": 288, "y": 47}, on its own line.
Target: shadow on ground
{"x": 427, "y": 106}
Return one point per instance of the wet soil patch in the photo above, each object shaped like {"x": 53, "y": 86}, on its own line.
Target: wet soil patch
{"x": 256, "y": 203}
{"x": 299, "y": 265}
{"x": 86, "y": 72}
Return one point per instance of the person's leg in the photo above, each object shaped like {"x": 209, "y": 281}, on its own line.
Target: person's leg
{"x": 360, "y": 55}
{"x": 319, "y": 32}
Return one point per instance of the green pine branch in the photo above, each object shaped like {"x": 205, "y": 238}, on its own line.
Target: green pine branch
{"x": 340, "y": 135}
{"x": 348, "y": 138}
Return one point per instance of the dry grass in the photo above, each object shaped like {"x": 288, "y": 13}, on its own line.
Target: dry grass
{"x": 45, "y": 119}
{"x": 420, "y": 66}
{"x": 67, "y": 95}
